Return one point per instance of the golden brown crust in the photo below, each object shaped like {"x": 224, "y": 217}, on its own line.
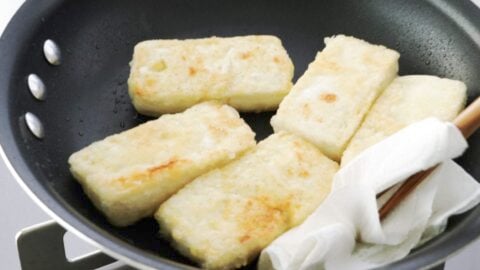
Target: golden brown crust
{"x": 250, "y": 73}
{"x": 128, "y": 175}
{"x": 407, "y": 100}
{"x": 328, "y": 103}
{"x": 224, "y": 218}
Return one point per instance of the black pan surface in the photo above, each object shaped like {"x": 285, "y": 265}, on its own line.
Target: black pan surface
{"x": 87, "y": 94}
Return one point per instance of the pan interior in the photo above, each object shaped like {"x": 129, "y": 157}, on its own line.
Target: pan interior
{"x": 87, "y": 95}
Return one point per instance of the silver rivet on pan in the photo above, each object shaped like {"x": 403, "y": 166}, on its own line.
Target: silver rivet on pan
{"x": 52, "y": 52}
{"x": 34, "y": 125}
{"x": 36, "y": 86}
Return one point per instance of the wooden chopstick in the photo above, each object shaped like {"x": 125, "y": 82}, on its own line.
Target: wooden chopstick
{"x": 467, "y": 122}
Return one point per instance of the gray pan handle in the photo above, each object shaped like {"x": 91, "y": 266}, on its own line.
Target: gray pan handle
{"x": 42, "y": 247}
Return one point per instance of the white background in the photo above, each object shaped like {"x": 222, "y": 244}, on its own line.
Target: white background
{"x": 18, "y": 211}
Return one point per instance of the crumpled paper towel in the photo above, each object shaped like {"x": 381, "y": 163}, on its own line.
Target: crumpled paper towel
{"x": 345, "y": 232}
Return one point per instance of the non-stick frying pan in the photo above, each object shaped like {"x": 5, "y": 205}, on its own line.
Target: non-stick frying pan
{"x": 86, "y": 95}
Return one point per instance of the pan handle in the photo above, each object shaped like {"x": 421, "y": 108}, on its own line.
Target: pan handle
{"x": 41, "y": 247}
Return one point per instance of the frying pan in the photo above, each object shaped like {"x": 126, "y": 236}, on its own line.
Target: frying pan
{"x": 86, "y": 95}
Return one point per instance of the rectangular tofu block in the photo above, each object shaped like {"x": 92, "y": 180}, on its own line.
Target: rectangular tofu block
{"x": 128, "y": 175}
{"x": 224, "y": 218}
{"x": 250, "y": 73}
{"x": 328, "y": 103}
{"x": 407, "y": 100}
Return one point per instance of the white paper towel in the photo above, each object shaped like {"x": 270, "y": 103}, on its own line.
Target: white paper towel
{"x": 345, "y": 231}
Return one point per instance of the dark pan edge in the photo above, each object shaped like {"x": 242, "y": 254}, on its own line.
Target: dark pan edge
{"x": 467, "y": 17}
{"x": 25, "y": 19}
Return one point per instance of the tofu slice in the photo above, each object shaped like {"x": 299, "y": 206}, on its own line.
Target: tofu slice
{"x": 328, "y": 103}
{"x": 407, "y": 100}
{"x": 250, "y": 73}
{"x": 224, "y": 218}
{"x": 128, "y": 175}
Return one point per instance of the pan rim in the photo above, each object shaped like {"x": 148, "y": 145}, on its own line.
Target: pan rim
{"x": 59, "y": 220}
{"x": 124, "y": 251}
{"x": 29, "y": 14}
